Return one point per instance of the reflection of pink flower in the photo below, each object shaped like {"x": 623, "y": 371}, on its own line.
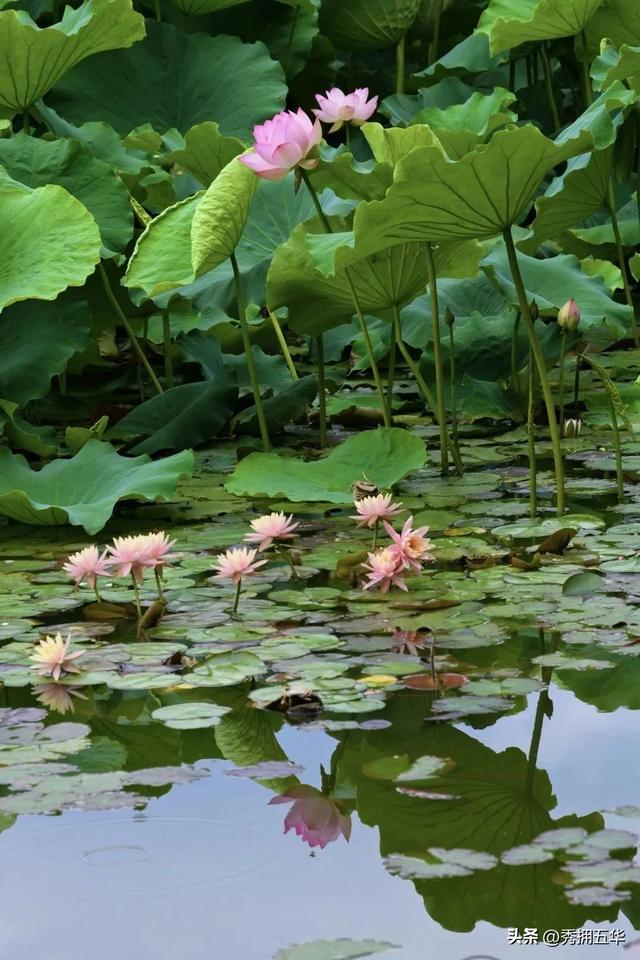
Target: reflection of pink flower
{"x": 87, "y": 565}
{"x": 130, "y": 556}
{"x": 410, "y": 546}
{"x": 237, "y": 563}
{"x": 53, "y": 656}
{"x": 370, "y": 510}
{"x": 339, "y": 108}
{"x": 270, "y": 527}
{"x": 384, "y": 570}
{"x": 283, "y": 143}
{"x": 56, "y": 696}
{"x": 314, "y": 817}
{"x": 412, "y": 642}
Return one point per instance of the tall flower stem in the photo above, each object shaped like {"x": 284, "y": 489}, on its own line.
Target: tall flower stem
{"x": 136, "y": 593}
{"x": 437, "y": 356}
{"x": 515, "y": 379}
{"x": 453, "y": 390}
{"x": 168, "y": 356}
{"x": 563, "y": 360}
{"x": 237, "y": 598}
{"x": 158, "y": 11}
{"x": 159, "y": 584}
{"x": 412, "y": 364}
{"x": 391, "y": 371}
{"x": 585, "y": 75}
{"x": 373, "y": 363}
{"x": 400, "y": 65}
{"x": 435, "y": 42}
{"x": 286, "y": 353}
{"x": 322, "y": 391}
{"x": 286, "y": 556}
{"x": 127, "y": 326}
{"x": 531, "y": 439}
{"x": 548, "y": 83}
{"x": 622, "y": 263}
{"x": 251, "y": 366}
{"x": 97, "y": 592}
{"x": 374, "y": 543}
{"x": 541, "y": 367}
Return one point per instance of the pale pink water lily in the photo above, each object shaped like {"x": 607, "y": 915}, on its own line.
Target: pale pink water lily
{"x": 87, "y": 564}
{"x": 384, "y": 570}
{"x": 314, "y": 817}
{"x": 270, "y": 527}
{"x": 53, "y": 656}
{"x": 237, "y": 563}
{"x": 55, "y": 696}
{"x": 370, "y": 510}
{"x": 283, "y": 143}
{"x": 157, "y": 549}
{"x": 339, "y": 108}
{"x": 410, "y": 546}
{"x": 130, "y": 557}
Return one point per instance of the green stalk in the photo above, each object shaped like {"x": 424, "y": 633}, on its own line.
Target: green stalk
{"x": 453, "y": 390}
{"x": 251, "y": 366}
{"x": 437, "y": 355}
{"x": 515, "y": 379}
{"x": 576, "y": 386}
{"x": 125, "y": 323}
{"x": 584, "y": 72}
{"x": 322, "y": 391}
{"x": 158, "y": 11}
{"x": 286, "y": 353}
{"x": 286, "y": 66}
{"x": 412, "y": 364}
{"x": 400, "y": 65}
{"x": 563, "y": 358}
{"x": 622, "y": 263}
{"x": 375, "y": 536}
{"x": 136, "y": 594}
{"x": 237, "y": 598}
{"x": 542, "y": 370}
{"x": 531, "y": 440}
{"x": 435, "y": 42}
{"x": 618, "y": 450}
{"x": 168, "y": 355}
{"x": 548, "y": 83}
{"x": 159, "y": 585}
{"x": 26, "y": 123}
{"x": 391, "y": 372}
{"x": 373, "y": 363}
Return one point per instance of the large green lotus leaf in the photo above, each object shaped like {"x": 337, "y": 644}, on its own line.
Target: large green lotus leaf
{"x": 460, "y": 127}
{"x": 598, "y": 125}
{"x": 311, "y": 281}
{"x": 205, "y": 6}
{"x": 512, "y": 22}
{"x": 385, "y": 455}
{"x": 434, "y": 198}
{"x": 34, "y": 59}
{"x": 367, "y": 24}
{"x": 469, "y": 57}
{"x": 401, "y": 108}
{"x": 175, "y": 80}
{"x": 547, "y": 282}
{"x": 391, "y": 144}
{"x": 618, "y": 21}
{"x": 351, "y": 179}
{"x": 36, "y": 342}
{"x": 220, "y": 217}
{"x": 50, "y": 242}
{"x": 612, "y": 64}
{"x": 72, "y": 166}
{"x": 184, "y": 416}
{"x": 576, "y": 195}
{"x": 84, "y": 490}
{"x": 206, "y": 151}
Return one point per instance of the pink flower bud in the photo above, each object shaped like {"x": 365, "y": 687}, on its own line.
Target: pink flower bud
{"x": 569, "y": 315}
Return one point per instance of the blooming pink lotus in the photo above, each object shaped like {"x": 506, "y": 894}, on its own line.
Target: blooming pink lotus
{"x": 314, "y": 817}
{"x": 130, "y": 556}
{"x": 270, "y": 527}
{"x": 237, "y": 563}
{"x": 384, "y": 570}
{"x": 87, "y": 564}
{"x": 157, "y": 549}
{"x": 283, "y": 143}
{"x": 410, "y": 546}
{"x": 339, "y": 108}
{"x": 371, "y": 510}
{"x": 53, "y": 656}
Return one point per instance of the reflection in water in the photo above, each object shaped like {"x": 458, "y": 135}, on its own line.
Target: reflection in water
{"x": 316, "y": 818}
{"x": 57, "y": 696}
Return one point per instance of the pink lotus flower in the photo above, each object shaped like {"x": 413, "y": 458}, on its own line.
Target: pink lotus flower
{"x": 384, "y": 570}
{"x": 410, "y": 546}
{"x": 283, "y": 143}
{"x": 236, "y": 564}
{"x": 569, "y": 315}
{"x": 53, "y": 656}
{"x": 314, "y": 817}
{"x": 130, "y": 556}
{"x": 270, "y": 527}
{"x": 157, "y": 549}
{"x": 87, "y": 564}
{"x": 370, "y": 510}
{"x": 55, "y": 696}
{"x": 338, "y": 108}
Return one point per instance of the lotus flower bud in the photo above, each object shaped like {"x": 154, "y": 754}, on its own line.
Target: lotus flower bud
{"x": 449, "y": 318}
{"x": 534, "y": 310}
{"x": 569, "y": 315}
{"x": 571, "y": 427}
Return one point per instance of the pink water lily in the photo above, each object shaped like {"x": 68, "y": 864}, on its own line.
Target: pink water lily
{"x": 370, "y": 510}
{"x": 314, "y": 817}
{"x": 384, "y": 570}
{"x": 283, "y": 143}
{"x": 339, "y": 108}
{"x": 156, "y": 547}
{"x": 130, "y": 557}
{"x": 87, "y": 564}
{"x": 53, "y": 656}
{"x": 237, "y": 563}
{"x": 270, "y": 527}
{"x": 410, "y": 547}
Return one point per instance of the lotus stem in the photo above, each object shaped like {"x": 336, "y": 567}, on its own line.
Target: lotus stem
{"x": 130, "y": 333}
{"x": 622, "y": 263}
{"x": 434, "y": 46}
{"x": 286, "y": 353}
{"x": 97, "y": 592}
{"x": 584, "y": 71}
{"x": 542, "y": 370}
{"x": 373, "y": 363}
{"x": 412, "y": 364}
{"x": 563, "y": 358}
{"x": 159, "y": 584}
{"x": 237, "y": 598}
{"x": 286, "y": 66}
{"x": 400, "y": 64}
{"x": 391, "y": 372}
{"x": 437, "y": 355}
{"x": 618, "y": 450}
{"x": 531, "y": 439}
{"x": 515, "y": 379}
{"x": 158, "y": 12}
{"x": 284, "y": 553}
{"x": 136, "y": 593}
{"x": 374, "y": 542}
{"x": 322, "y": 391}
{"x": 26, "y": 122}
{"x": 168, "y": 355}
{"x": 576, "y": 385}
{"x": 251, "y": 366}
{"x": 453, "y": 390}
{"x": 548, "y": 83}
